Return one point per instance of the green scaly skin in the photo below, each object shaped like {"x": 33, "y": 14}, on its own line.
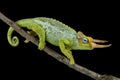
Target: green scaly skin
{"x": 52, "y": 31}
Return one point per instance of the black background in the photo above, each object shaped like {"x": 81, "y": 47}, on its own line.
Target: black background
{"x": 96, "y": 19}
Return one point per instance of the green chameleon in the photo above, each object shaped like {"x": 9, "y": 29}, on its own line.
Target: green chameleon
{"x": 56, "y": 33}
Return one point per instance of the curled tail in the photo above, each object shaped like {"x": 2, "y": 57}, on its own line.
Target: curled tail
{"x": 13, "y": 41}
{"x": 31, "y": 25}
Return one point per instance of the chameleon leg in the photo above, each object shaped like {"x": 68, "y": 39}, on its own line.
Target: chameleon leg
{"x": 39, "y": 32}
{"x": 30, "y": 33}
{"x": 63, "y": 43}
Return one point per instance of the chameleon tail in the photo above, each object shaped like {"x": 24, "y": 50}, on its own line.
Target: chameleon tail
{"x": 13, "y": 41}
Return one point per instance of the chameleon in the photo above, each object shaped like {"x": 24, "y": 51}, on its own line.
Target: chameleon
{"x": 56, "y": 33}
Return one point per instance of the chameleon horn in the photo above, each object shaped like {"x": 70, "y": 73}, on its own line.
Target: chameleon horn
{"x": 94, "y": 45}
{"x": 99, "y": 41}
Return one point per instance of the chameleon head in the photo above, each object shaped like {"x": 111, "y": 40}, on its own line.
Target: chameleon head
{"x": 88, "y": 43}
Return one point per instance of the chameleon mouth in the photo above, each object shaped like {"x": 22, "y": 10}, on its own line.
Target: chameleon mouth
{"x": 97, "y": 43}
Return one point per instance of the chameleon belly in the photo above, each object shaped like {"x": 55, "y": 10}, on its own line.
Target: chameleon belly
{"x": 55, "y": 30}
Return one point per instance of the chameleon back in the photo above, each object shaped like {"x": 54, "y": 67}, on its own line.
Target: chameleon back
{"x": 55, "y": 30}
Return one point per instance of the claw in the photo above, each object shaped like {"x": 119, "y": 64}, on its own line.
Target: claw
{"x": 26, "y": 41}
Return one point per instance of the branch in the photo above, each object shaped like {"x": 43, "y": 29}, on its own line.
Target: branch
{"x": 55, "y": 55}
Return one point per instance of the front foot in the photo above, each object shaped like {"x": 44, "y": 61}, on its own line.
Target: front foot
{"x": 72, "y": 61}
{"x": 41, "y": 46}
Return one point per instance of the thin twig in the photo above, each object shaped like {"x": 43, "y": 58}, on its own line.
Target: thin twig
{"x": 57, "y": 56}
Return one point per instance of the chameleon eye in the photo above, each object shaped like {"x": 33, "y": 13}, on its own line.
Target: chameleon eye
{"x": 85, "y": 40}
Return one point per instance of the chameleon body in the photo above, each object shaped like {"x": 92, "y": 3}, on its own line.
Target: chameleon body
{"x": 56, "y": 33}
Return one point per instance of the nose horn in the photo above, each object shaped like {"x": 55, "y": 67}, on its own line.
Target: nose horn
{"x": 95, "y": 45}
{"x": 99, "y": 41}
